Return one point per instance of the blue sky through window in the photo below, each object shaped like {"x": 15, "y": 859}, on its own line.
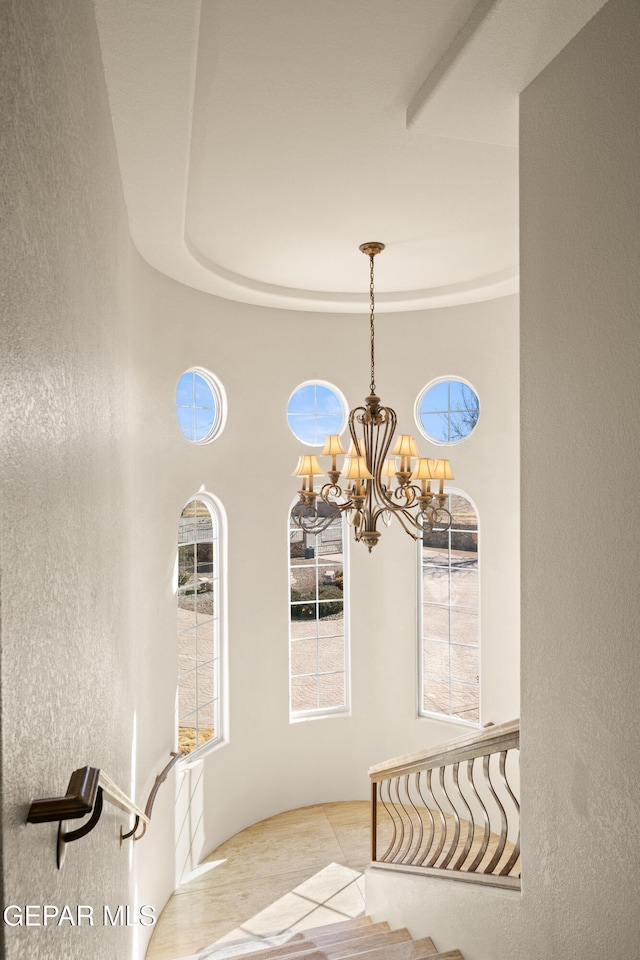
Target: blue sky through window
{"x": 449, "y": 411}
{"x": 315, "y": 411}
{"x": 195, "y": 406}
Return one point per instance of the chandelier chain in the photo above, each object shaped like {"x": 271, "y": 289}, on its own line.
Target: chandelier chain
{"x": 371, "y": 325}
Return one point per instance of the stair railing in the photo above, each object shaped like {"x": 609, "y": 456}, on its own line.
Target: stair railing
{"x": 88, "y": 788}
{"x": 451, "y": 811}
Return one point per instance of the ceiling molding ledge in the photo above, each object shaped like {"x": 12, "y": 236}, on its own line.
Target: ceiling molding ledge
{"x": 234, "y": 286}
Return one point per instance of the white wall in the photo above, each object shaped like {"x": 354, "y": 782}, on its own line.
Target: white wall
{"x": 260, "y": 356}
{"x": 74, "y": 672}
{"x": 580, "y": 341}
{"x": 95, "y": 475}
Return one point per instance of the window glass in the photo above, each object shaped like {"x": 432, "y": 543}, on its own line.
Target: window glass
{"x": 316, "y": 410}
{"x": 198, "y": 626}
{"x": 447, "y": 411}
{"x": 200, "y": 406}
{"x": 317, "y": 621}
{"x": 450, "y": 626}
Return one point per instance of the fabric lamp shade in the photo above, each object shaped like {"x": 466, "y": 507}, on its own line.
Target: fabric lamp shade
{"x": 389, "y": 469}
{"x": 405, "y": 446}
{"x": 355, "y": 468}
{"x": 332, "y": 446}
{"x": 308, "y": 466}
{"x": 442, "y": 470}
{"x": 424, "y": 469}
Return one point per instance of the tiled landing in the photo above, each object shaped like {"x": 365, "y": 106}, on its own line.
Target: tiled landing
{"x": 298, "y": 870}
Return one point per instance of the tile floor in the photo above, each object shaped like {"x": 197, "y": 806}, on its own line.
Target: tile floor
{"x": 300, "y": 869}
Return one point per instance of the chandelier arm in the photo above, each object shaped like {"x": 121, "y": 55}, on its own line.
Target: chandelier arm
{"x": 437, "y": 522}
{"x": 357, "y": 414}
{"x": 383, "y": 442}
{"x": 329, "y": 490}
{"x": 386, "y": 499}
{"x": 395, "y": 509}
{"x": 380, "y": 424}
{"x": 410, "y": 492}
{"x": 310, "y": 525}
{"x": 403, "y": 515}
{"x": 305, "y": 516}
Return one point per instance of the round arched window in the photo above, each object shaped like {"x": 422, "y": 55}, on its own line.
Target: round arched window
{"x": 316, "y": 410}
{"x": 447, "y": 410}
{"x": 200, "y": 405}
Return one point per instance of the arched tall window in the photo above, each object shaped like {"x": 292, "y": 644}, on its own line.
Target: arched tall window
{"x": 318, "y": 634}
{"x": 199, "y": 597}
{"x": 449, "y": 621}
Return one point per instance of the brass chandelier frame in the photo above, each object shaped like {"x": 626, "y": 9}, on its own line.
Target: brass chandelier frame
{"x": 369, "y": 497}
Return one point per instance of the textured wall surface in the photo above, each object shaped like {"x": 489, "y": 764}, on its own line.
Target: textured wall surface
{"x": 580, "y": 346}
{"x": 580, "y": 454}
{"x": 68, "y": 654}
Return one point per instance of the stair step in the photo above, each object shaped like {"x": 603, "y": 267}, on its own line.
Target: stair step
{"x": 343, "y": 931}
{"x": 270, "y": 946}
{"x": 394, "y": 948}
{"x": 360, "y": 939}
{"x": 346, "y": 945}
{"x": 306, "y": 940}
{"x": 247, "y": 946}
{"x": 355, "y": 924}
{"x": 407, "y": 950}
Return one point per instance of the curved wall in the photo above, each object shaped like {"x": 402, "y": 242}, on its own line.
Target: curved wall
{"x": 260, "y": 355}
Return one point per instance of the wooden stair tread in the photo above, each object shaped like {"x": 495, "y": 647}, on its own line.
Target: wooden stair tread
{"x": 265, "y": 946}
{"x": 344, "y": 946}
{"x": 306, "y": 941}
{"x": 407, "y": 950}
{"x": 343, "y": 931}
{"x": 400, "y": 949}
{"x": 318, "y": 935}
{"x": 403, "y": 947}
{"x": 360, "y": 939}
{"x": 354, "y": 924}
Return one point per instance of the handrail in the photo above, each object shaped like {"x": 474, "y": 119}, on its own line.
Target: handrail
{"x": 88, "y": 788}
{"x": 160, "y": 779}
{"x": 78, "y": 801}
{"x": 118, "y": 797}
{"x": 433, "y": 826}
{"x": 497, "y": 736}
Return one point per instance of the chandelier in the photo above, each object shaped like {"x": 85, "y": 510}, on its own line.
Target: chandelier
{"x": 374, "y": 486}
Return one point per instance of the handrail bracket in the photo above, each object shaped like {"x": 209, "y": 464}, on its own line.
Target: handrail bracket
{"x": 88, "y": 788}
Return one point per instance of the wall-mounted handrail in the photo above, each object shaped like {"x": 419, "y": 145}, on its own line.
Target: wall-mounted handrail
{"x": 78, "y": 801}
{"x": 119, "y": 798}
{"x": 160, "y": 779}
{"x": 436, "y": 822}
{"x": 88, "y": 788}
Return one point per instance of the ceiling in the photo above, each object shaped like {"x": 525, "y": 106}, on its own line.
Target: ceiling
{"x": 261, "y": 141}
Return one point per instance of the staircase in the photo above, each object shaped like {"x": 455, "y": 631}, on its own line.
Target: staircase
{"x": 337, "y": 941}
